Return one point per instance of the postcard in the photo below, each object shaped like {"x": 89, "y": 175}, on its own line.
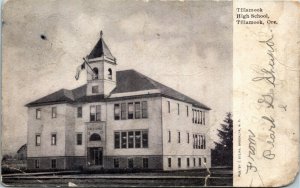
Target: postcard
{"x": 122, "y": 93}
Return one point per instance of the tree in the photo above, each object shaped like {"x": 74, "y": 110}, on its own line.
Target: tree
{"x": 222, "y": 155}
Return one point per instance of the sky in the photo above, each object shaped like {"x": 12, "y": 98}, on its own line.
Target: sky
{"x": 184, "y": 45}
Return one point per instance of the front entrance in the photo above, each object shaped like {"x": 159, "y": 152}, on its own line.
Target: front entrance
{"x": 95, "y": 156}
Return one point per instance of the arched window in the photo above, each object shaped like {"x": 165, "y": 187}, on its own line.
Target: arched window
{"x": 95, "y": 137}
{"x": 95, "y": 75}
{"x": 109, "y": 73}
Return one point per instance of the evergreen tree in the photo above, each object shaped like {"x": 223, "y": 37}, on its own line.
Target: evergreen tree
{"x": 222, "y": 155}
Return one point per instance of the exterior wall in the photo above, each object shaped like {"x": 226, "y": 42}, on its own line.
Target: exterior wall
{"x": 45, "y": 126}
{"x": 152, "y": 124}
{"x": 174, "y": 122}
{"x": 63, "y": 162}
{"x": 154, "y": 161}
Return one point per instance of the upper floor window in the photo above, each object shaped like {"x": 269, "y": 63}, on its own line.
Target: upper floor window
{"x": 54, "y": 113}
{"x": 95, "y": 89}
{"x": 79, "y": 138}
{"x": 79, "y": 112}
{"x": 38, "y": 113}
{"x": 37, "y": 139}
{"x": 95, "y": 137}
{"x": 144, "y": 109}
{"x": 109, "y": 73}
{"x": 169, "y": 106}
{"x": 123, "y": 110}
{"x": 137, "y": 110}
{"x": 203, "y": 118}
{"x": 117, "y": 111}
{"x": 130, "y": 110}
{"x": 178, "y": 137}
{"x": 53, "y": 139}
{"x": 187, "y": 110}
{"x": 95, "y": 113}
{"x": 188, "y": 137}
{"x": 178, "y": 109}
{"x": 169, "y": 133}
{"x": 95, "y": 73}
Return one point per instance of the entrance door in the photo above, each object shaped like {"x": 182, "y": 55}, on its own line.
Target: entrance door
{"x": 95, "y": 156}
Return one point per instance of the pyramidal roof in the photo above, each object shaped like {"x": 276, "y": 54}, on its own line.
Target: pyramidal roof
{"x": 127, "y": 81}
{"x": 101, "y": 50}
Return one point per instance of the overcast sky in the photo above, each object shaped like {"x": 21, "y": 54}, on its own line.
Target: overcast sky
{"x": 184, "y": 45}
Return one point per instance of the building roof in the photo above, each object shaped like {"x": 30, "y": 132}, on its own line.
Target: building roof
{"x": 101, "y": 50}
{"x": 127, "y": 81}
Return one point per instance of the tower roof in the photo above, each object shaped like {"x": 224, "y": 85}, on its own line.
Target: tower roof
{"x": 101, "y": 49}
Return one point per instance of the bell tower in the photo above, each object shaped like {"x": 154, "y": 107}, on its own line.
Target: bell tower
{"x": 101, "y": 73}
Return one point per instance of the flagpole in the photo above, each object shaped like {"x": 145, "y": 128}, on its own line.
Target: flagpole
{"x": 85, "y": 61}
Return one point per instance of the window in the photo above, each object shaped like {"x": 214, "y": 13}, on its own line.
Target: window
{"x": 130, "y": 162}
{"x": 204, "y": 160}
{"x": 53, "y": 163}
{"x": 169, "y": 140}
{"x": 187, "y": 110}
{"x": 193, "y": 119}
{"x": 53, "y": 139}
{"x": 203, "y": 118}
{"x": 179, "y": 162}
{"x": 178, "y": 137}
{"x": 124, "y": 139}
{"x": 145, "y": 162}
{"x": 144, "y": 109}
{"x": 169, "y": 107}
{"x": 37, "y": 139}
{"x": 38, "y": 113}
{"x": 116, "y": 163}
{"x": 117, "y": 140}
{"x": 130, "y": 139}
{"x": 109, "y": 74}
{"x": 200, "y": 117}
{"x": 188, "y": 137}
{"x": 79, "y": 138}
{"x": 79, "y": 112}
{"x": 130, "y": 110}
{"x": 123, "y": 111}
{"x": 95, "y": 89}
{"x": 137, "y": 139}
{"x": 36, "y": 163}
{"x": 188, "y": 162}
{"x": 95, "y": 137}
{"x": 145, "y": 139}
{"x": 178, "y": 108}
{"x": 117, "y": 111}
{"x": 95, "y": 113}
{"x": 95, "y": 75}
{"x": 54, "y": 113}
{"x": 199, "y": 161}
{"x": 194, "y": 161}
{"x": 169, "y": 162}
{"x": 137, "y": 110}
